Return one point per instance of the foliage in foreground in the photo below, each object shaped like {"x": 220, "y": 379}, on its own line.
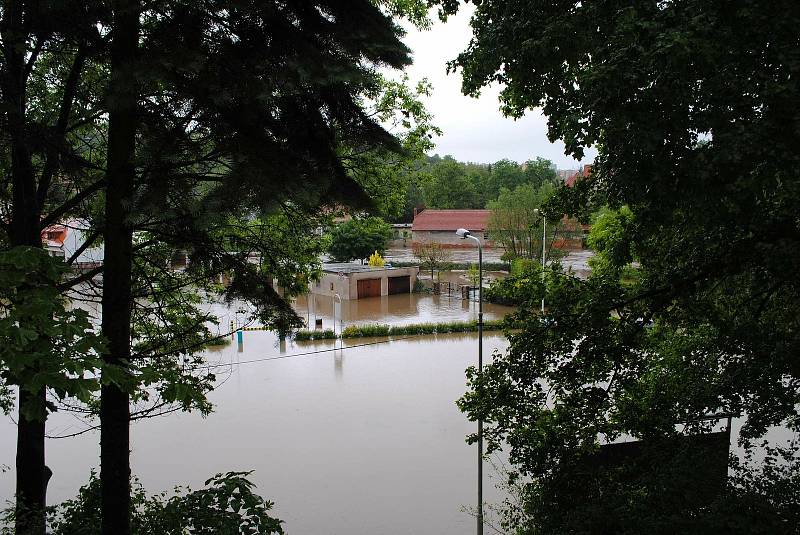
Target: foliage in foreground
{"x": 227, "y": 505}
{"x": 761, "y": 497}
{"x": 507, "y": 290}
{"x": 687, "y": 104}
{"x": 42, "y": 340}
{"x": 219, "y": 130}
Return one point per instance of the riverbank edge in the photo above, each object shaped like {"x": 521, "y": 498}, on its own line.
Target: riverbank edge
{"x": 418, "y": 329}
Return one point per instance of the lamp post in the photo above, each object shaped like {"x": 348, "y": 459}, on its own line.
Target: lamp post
{"x": 464, "y": 234}
{"x": 337, "y": 299}
{"x": 544, "y": 240}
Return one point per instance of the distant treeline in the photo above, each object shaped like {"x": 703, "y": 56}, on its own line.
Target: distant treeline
{"x": 443, "y": 182}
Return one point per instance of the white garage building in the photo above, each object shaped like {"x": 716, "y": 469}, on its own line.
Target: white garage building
{"x": 356, "y": 281}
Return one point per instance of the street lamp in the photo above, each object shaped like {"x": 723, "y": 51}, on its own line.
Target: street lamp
{"x": 544, "y": 239}
{"x": 337, "y": 299}
{"x": 464, "y": 234}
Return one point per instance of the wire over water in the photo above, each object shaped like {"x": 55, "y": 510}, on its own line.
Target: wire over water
{"x": 307, "y": 353}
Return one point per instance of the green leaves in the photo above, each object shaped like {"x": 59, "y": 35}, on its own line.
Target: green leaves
{"x": 227, "y": 505}
{"x": 688, "y": 104}
{"x": 516, "y": 221}
{"x": 609, "y": 239}
{"x": 358, "y": 238}
{"x": 43, "y": 342}
{"x": 386, "y": 175}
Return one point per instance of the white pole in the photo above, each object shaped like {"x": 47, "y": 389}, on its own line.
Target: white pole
{"x": 480, "y": 371}
{"x": 464, "y": 234}
{"x": 544, "y": 258}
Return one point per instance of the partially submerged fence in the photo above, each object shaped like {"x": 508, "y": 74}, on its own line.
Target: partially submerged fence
{"x": 452, "y": 289}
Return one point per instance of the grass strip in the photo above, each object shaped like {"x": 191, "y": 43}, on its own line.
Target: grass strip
{"x": 376, "y": 329}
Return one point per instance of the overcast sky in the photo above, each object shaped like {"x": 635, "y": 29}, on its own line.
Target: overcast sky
{"x": 474, "y": 129}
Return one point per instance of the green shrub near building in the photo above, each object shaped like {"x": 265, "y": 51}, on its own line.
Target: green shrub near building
{"x": 377, "y": 329}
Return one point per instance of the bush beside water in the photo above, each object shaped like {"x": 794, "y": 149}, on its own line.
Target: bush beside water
{"x": 376, "y": 329}
{"x": 304, "y": 336}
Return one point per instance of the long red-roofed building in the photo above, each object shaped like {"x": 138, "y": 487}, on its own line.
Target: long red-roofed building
{"x": 440, "y": 226}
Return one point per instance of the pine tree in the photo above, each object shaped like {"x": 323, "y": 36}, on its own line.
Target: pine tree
{"x": 223, "y": 122}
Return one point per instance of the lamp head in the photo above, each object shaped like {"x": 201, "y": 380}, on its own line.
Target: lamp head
{"x": 462, "y": 233}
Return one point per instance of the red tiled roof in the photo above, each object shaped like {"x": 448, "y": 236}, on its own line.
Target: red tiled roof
{"x": 451, "y": 220}
{"x": 54, "y": 235}
{"x": 571, "y": 180}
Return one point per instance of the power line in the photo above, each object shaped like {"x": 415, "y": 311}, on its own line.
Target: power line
{"x": 280, "y": 357}
{"x": 252, "y": 361}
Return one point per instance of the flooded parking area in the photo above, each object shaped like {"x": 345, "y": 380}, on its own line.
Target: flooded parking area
{"x": 345, "y": 438}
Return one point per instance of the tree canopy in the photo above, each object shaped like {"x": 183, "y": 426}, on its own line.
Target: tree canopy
{"x": 171, "y": 126}
{"x": 445, "y": 183}
{"x": 358, "y": 238}
{"x": 688, "y": 104}
{"x": 516, "y": 220}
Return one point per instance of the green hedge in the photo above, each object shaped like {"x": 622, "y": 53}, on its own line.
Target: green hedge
{"x": 218, "y": 342}
{"x": 376, "y": 329}
{"x": 303, "y": 336}
{"x": 363, "y": 331}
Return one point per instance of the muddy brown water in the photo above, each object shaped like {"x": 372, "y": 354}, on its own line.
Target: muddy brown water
{"x": 366, "y": 439}
{"x": 401, "y": 309}
{"x": 360, "y": 440}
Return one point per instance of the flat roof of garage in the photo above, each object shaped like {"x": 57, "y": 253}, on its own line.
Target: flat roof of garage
{"x": 346, "y": 267}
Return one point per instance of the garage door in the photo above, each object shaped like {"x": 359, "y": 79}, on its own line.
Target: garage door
{"x": 399, "y": 285}
{"x": 369, "y": 288}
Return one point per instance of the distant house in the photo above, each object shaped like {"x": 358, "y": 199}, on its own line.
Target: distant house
{"x": 53, "y": 238}
{"x": 88, "y": 256}
{"x": 576, "y": 233}
{"x": 583, "y": 173}
{"x": 440, "y": 226}
{"x": 565, "y": 174}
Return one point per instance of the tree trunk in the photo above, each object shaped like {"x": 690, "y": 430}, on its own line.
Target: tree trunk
{"x": 31, "y": 483}
{"x": 118, "y": 259}
{"x": 24, "y": 231}
{"x": 31, "y": 479}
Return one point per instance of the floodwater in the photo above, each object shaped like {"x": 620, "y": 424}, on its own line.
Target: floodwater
{"x": 400, "y": 309}
{"x": 457, "y": 254}
{"x": 575, "y": 261}
{"x": 365, "y": 439}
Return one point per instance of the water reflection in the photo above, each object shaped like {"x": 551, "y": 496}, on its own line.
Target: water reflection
{"x": 337, "y": 452}
{"x": 401, "y": 309}
{"x": 338, "y": 364}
